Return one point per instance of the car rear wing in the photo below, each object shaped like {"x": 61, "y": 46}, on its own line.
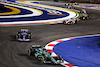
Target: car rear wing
{"x": 26, "y": 30}
{"x": 36, "y": 46}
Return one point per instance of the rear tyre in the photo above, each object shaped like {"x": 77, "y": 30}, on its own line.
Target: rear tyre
{"x": 64, "y": 22}
{"x": 17, "y": 36}
{"x": 76, "y": 22}
{"x": 29, "y": 35}
{"x": 31, "y": 52}
{"x": 71, "y": 22}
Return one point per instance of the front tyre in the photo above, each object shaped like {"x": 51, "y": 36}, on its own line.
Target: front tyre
{"x": 16, "y": 37}
{"x": 41, "y": 58}
{"x": 29, "y": 52}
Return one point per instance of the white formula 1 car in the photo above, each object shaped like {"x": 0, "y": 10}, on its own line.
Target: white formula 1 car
{"x": 71, "y": 21}
{"x": 69, "y": 6}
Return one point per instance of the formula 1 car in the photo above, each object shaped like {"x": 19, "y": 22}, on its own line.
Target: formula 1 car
{"x": 71, "y": 21}
{"x": 76, "y": 3}
{"x": 69, "y": 6}
{"x": 23, "y": 35}
{"x": 43, "y": 55}
{"x": 85, "y": 15}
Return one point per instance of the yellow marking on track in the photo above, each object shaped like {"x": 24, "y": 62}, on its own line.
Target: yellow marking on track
{"x": 48, "y": 6}
{"x": 14, "y": 11}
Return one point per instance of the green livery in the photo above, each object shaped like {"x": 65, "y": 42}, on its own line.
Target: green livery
{"x": 43, "y": 55}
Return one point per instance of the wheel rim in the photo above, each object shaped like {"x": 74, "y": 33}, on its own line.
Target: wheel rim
{"x": 41, "y": 58}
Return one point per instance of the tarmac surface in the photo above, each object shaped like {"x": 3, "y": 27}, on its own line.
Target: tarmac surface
{"x": 14, "y": 53}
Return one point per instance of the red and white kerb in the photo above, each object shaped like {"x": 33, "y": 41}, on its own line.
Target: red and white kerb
{"x": 49, "y": 47}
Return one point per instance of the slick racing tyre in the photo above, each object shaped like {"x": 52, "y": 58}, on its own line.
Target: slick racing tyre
{"x": 18, "y": 35}
{"x": 29, "y": 35}
{"x": 76, "y": 22}
{"x": 41, "y": 58}
{"x": 64, "y": 22}
{"x": 31, "y": 52}
{"x": 71, "y": 22}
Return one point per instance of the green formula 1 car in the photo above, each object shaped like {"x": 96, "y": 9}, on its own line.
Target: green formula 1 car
{"x": 43, "y": 55}
{"x": 85, "y": 15}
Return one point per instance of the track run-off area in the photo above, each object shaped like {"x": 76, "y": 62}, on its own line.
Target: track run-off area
{"x": 80, "y": 51}
{"x": 26, "y": 13}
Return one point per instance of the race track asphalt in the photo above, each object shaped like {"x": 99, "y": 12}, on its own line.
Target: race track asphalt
{"x": 14, "y": 53}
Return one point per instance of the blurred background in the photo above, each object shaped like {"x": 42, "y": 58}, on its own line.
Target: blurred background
{"x": 80, "y": 1}
{"x": 72, "y": 1}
